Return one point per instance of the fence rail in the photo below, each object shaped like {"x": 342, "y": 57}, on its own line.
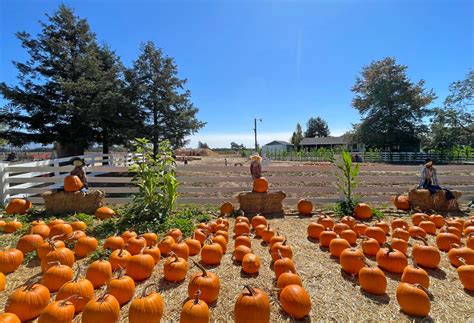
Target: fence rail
{"x": 214, "y": 184}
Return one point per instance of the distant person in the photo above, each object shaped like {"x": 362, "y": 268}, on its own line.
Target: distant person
{"x": 225, "y": 162}
{"x": 358, "y": 159}
{"x": 256, "y": 166}
{"x": 185, "y": 160}
{"x": 429, "y": 180}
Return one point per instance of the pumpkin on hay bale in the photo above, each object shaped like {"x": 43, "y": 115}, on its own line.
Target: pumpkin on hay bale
{"x": 260, "y": 185}
{"x": 72, "y": 183}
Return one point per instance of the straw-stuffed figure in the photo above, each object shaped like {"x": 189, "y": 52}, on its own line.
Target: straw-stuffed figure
{"x": 256, "y": 166}
{"x": 79, "y": 171}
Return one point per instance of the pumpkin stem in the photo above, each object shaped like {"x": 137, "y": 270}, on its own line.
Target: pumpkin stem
{"x": 79, "y": 269}
{"x": 145, "y": 289}
{"x": 461, "y": 260}
{"x": 250, "y": 289}
{"x": 204, "y": 272}
{"x": 64, "y": 301}
{"x": 425, "y": 242}
{"x": 55, "y": 237}
{"x": 57, "y": 263}
{"x": 279, "y": 254}
{"x": 196, "y": 296}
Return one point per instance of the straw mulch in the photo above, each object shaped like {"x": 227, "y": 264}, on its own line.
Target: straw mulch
{"x": 335, "y": 296}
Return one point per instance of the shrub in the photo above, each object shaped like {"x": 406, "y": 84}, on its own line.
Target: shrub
{"x": 347, "y": 176}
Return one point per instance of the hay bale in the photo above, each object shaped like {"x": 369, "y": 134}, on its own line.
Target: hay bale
{"x": 422, "y": 199}
{"x": 270, "y": 203}
{"x": 63, "y": 203}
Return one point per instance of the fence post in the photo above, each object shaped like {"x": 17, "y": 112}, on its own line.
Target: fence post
{"x": 4, "y": 185}
{"x": 56, "y": 164}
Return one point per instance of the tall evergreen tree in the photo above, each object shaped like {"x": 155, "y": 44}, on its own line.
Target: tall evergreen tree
{"x": 297, "y": 136}
{"x": 317, "y": 127}
{"x": 162, "y": 98}
{"x": 391, "y": 106}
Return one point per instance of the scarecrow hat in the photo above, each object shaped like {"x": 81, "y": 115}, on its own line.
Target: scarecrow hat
{"x": 74, "y": 161}
{"x": 256, "y": 157}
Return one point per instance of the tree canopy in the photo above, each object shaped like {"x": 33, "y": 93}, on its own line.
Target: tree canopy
{"x": 317, "y": 127}
{"x": 297, "y": 136}
{"x": 392, "y": 107}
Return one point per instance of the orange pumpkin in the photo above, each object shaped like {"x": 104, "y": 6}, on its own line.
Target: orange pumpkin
{"x": 227, "y": 208}
{"x": 362, "y": 211}
{"x": 18, "y": 206}
{"x": 260, "y": 185}
{"x": 305, "y": 207}
{"x": 72, "y": 183}
{"x": 104, "y": 213}
{"x": 401, "y": 202}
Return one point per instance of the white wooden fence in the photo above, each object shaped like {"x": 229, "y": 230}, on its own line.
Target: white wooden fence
{"x": 214, "y": 184}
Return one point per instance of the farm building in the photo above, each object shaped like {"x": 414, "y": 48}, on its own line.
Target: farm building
{"x": 331, "y": 142}
{"x": 277, "y": 146}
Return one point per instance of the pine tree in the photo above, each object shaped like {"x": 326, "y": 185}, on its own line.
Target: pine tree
{"x": 317, "y": 127}
{"x": 297, "y": 136}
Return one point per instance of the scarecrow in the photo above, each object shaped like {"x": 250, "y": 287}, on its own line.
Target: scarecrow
{"x": 256, "y": 166}
{"x": 79, "y": 171}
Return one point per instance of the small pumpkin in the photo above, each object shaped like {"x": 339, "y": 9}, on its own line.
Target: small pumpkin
{"x": 150, "y": 237}
{"x": 12, "y": 226}
{"x": 72, "y": 183}
{"x": 194, "y": 246}
{"x": 288, "y": 278}
{"x": 241, "y": 227}
{"x": 376, "y": 233}
{"x": 64, "y": 255}
{"x": 56, "y": 276}
{"x": 78, "y": 225}
{"x": 457, "y": 252}
{"x": 122, "y": 287}
{"x": 147, "y": 307}
{"x": 401, "y": 202}
{"x": 260, "y": 185}
{"x": 400, "y": 245}
{"x": 352, "y": 260}
{"x": 283, "y": 265}
{"x": 114, "y": 242}
{"x": 165, "y": 245}
{"x": 413, "y": 300}
{"x": 370, "y": 246}
{"x": 176, "y": 234}
{"x": 401, "y": 234}
{"x": 140, "y": 267}
{"x": 251, "y": 263}
{"x": 104, "y": 309}
{"x": 438, "y": 220}
{"x": 128, "y": 234}
{"x": 29, "y": 243}
{"x": 153, "y": 251}
{"x": 62, "y": 231}
{"x": 47, "y": 246}
{"x": 59, "y": 311}
{"x": 206, "y": 282}
{"x": 295, "y": 301}
{"x": 391, "y": 260}
{"x": 446, "y": 240}
{"x": 372, "y": 280}
{"x": 119, "y": 258}
{"x": 416, "y": 218}
{"x": 82, "y": 290}
{"x": 211, "y": 254}
{"x": 339, "y": 227}
{"x": 305, "y": 207}
{"x": 195, "y": 311}
{"x": 337, "y": 246}
{"x": 350, "y": 236}
{"x": 428, "y": 226}
{"x": 240, "y": 252}
{"x": 227, "y": 208}
{"x": 42, "y": 229}
{"x": 466, "y": 275}
{"x": 326, "y": 221}
{"x": 9, "y": 318}
{"x": 257, "y": 220}
{"x": 258, "y": 230}
{"x": 251, "y": 306}
{"x": 99, "y": 272}
{"x": 326, "y": 236}
{"x": 243, "y": 240}
{"x": 383, "y": 225}
{"x": 175, "y": 269}
{"x": 314, "y": 230}
{"x": 399, "y": 224}
{"x": 221, "y": 241}
{"x": 135, "y": 244}
{"x": 362, "y": 211}
{"x": 425, "y": 255}
{"x": 281, "y": 248}
{"x": 415, "y": 275}
{"x": 85, "y": 246}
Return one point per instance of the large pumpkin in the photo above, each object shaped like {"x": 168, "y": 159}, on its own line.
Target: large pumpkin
{"x": 18, "y": 206}
{"x": 252, "y": 305}
{"x": 305, "y": 207}
{"x": 362, "y": 211}
{"x": 28, "y": 302}
{"x": 104, "y": 213}
{"x": 72, "y": 183}
{"x": 401, "y": 202}
{"x": 295, "y": 301}
{"x": 260, "y": 185}
{"x": 147, "y": 307}
{"x": 413, "y": 300}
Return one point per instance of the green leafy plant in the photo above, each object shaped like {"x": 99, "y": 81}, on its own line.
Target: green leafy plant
{"x": 347, "y": 175}
{"x": 155, "y": 177}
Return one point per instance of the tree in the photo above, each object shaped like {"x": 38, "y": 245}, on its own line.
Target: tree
{"x": 236, "y": 146}
{"x": 66, "y": 88}
{"x": 202, "y": 145}
{"x": 453, "y": 124}
{"x": 316, "y": 127}
{"x": 297, "y": 136}
{"x": 162, "y": 99}
{"x": 391, "y": 106}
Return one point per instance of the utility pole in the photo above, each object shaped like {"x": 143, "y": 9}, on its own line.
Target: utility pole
{"x": 255, "y": 132}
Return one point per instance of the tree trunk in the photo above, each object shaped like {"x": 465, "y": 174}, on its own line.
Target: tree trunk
{"x": 105, "y": 146}
{"x": 155, "y": 132}
{"x": 68, "y": 150}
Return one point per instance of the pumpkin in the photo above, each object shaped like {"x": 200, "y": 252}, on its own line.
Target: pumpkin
{"x": 383, "y": 225}
{"x": 413, "y": 300}
{"x": 181, "y": 249}
{"x": 314, "y": 230}
{"x": 12, "y": 226}
{"x": 446, "y": 240}
{"x": 350, "y": 236}
{"x": 243, "y": 240}
{"x": 104, "y": 309}
{"x": 260, "y": 185}
{"x": 349, "y": 220}
{"x": 283, "y": 265}
{"x": 457, "y": 223}
{"x": 2, "y": 282}
{"x": 46, "y": 247}
{"x": 227, "y": 208}
{"x": 240, "y": 252}
{"x": 466, "y": 275}
{"x": 425, "y": 255}
{"x": 175, "y": 269}
{"x": 200, "y": 235}
{"x": 241, "y": 227}
{"x": 221, "y": 241}
{"x": 165, "y": 245}
{"x": 451, "y": 229}
{"x": 62, "y": 231}
{"x": 9, "y": 318}
{"x": 52, "y": 223}
{"x": 76, "y": 235}
{"x": 372, "y": 280}
{"x": 10, "y": 260}
{"x": 121, "y": 287}
{"x": 153, "y": 251}
{"x": 195, "y": 311}
{"x": 251, "y": 264}
{"x": 325, "y": 238}
{"x": 416, "y": 218}
{"x": 29, "y": 243}
{"x": 258, "y": 230}
{"x": 85, "y": 246}
{"x": 242, "y": 218}
{"x": 206, "y": 282}
{"x": 18, "y": 206}
{"x": 147, "y": 307}
{"x": 72, "y": 183}
{"x": 127, "y": 235}
{"x": 27, "y": 302}
{"x": 415, "y": 275}
{"x": 295, "y": 301}
{"x": 119, "y": 258}
{"x": 56, "y": 276}
{"x": 401, "y": 202}
{"x": 376, "y": 233}
{"x": 140, "y": 267}
{"x": 222, "y": 220}
{"x": 468, "y": 230}
{"x": 288, "y": 278}
{"x": 257, "y": 220}
{"x": 281, "y": 248}
{"x": 470, "y": 241}
{"x": 337, "y": 246}
{"x": 252, "y": 306}
{"x": 56, "y": 312}
{"x": 400, "y": 245}
{"x": 113, "y": 243}
{"x": 326, "y": 221}
{"x": 64, "y": 255}
{"x": 461, "y": 252}
{"x": 370, "y": 246}
{"x": 176, "y": 234}
{"x": 391, "y": 260}
{"x": 211, "y": 254}
{"x": 428, "y": 226}
{"x": 78, "y": 225}
{"x": 362, "y": 211}
{"x": 82, "y": 290}
{"x": 135, "y": 244}
{"x": 276, "y": 238}
{"x": 399, "y": 224}
{"x": 401, "y": 234}
{"x": 438, "y": 220}
{"x": 42, "y": 229}
{"x": 305, "y": 207}
{"x": 352, "y": 260}
{"x": 339, "y": 227}
{"x": 99, "y": 272}
{"x": 194, "y": 246}
{"x": 205, "y": 228}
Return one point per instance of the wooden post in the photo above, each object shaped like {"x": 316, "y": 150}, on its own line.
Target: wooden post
{"x": 4, "y": 185}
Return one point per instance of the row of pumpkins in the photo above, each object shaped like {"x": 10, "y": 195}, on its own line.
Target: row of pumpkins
{"x": 133, "y": 258}
{"x": 412, "y": 294}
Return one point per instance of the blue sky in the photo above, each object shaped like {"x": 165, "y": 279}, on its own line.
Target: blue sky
{"x": 282, "y": 61}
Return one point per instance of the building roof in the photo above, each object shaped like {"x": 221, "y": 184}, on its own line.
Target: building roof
{"x": 324, "y": 141}
{"x": 278, "y": 142}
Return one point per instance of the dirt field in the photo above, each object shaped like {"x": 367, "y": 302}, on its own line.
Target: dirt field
{"x": 334, "y": 295}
